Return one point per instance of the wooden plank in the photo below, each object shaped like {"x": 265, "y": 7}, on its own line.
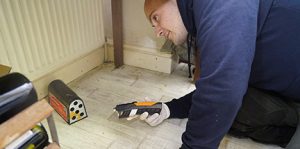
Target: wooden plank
{"x": 116, "y": 8}
{"x": 25, "y": 120}
{"x": 53, "y": 146}
{"x": 4, "y": 70}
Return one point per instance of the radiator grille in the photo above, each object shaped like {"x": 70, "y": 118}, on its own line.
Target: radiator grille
{"x": 37, "y": 36}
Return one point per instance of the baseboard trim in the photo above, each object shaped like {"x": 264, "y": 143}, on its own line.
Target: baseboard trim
{"x": 145, "y": 58}
{"x": 70, "y": 71}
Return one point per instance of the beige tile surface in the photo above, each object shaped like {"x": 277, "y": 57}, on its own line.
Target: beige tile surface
{"x": 104, "y": 87}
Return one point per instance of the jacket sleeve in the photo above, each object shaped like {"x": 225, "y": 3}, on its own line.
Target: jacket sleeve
{"x": 179, "y": 108}
{"x": 226, "y": 35}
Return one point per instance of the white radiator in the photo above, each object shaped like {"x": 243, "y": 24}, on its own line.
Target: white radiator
{"x": 38, "y": 36}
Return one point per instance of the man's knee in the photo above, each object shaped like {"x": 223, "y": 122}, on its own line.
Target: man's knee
{"x": 265, "y": 108}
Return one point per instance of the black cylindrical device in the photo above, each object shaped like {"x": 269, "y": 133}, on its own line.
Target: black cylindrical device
{"x": 66, "y": 102}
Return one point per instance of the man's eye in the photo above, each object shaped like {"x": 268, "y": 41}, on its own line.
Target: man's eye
{"x": 155, "y": 18}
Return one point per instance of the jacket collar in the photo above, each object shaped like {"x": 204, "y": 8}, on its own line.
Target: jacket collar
{"x": 186, "y": 11}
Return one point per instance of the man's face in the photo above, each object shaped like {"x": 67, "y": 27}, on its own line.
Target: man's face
{"x": 167, "y": 22}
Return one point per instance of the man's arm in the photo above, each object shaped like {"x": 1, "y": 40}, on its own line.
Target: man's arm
{"x": 226, "y": 35}
{"x": 179, "y": 108}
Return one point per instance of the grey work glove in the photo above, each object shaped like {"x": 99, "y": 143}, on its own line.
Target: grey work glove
{"x": 155, "y": 119}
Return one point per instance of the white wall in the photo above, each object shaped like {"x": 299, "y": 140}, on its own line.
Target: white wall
{"x": 141, "y": 46}
{"x": 137, "y": 30}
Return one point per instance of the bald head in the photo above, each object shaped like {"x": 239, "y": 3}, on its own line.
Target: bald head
{"x": 152, "y": 5}
{"x": 166, "y": 20}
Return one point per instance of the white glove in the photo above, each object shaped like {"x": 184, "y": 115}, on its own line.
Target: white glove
{"x": 155, "y": 119}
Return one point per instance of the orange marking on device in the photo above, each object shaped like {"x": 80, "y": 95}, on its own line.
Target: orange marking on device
{"x": 145, "y": 103}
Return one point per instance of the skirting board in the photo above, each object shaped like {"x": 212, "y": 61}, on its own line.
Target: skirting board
{"x": 70, "y": 71}
{"x": 144, "y": 58}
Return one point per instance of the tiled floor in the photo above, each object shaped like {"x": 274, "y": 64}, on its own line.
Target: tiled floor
{"x": 104, "y": 87}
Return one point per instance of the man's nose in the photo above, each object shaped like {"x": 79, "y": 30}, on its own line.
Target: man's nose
{"x": 158, "y": 31}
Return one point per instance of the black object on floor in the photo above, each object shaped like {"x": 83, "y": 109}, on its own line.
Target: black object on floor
{"x": 16, "y": 94}
{"x": 66, "y": 102}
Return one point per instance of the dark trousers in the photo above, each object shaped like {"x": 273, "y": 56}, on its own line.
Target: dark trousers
{"x": 266, "y": 117}
{"x": 294, "y": 142}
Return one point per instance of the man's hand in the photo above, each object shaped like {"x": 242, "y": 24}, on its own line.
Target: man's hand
{"x": 155, "y": 119}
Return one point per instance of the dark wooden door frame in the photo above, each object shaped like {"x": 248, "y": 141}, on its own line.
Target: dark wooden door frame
{"x": 116, "y": 8}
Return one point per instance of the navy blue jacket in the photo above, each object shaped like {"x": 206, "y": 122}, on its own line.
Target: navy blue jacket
{"x": 241, "y": 42}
